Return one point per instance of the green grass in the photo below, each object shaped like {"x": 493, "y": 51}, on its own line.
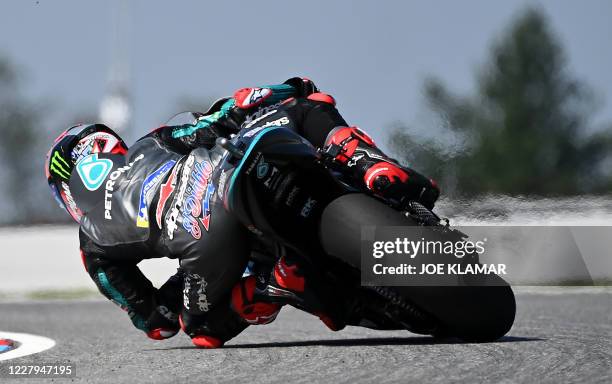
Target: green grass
{"x": 61, "y": 294}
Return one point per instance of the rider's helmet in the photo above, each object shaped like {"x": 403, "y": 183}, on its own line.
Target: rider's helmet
{"x": 68, "y": 149}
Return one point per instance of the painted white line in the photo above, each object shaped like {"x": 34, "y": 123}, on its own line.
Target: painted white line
{"x": 28, "y": 345}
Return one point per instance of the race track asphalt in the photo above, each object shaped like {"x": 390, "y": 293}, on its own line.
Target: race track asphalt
{"x": 558, "y": 337}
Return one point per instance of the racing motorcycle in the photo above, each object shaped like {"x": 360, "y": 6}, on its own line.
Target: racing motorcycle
{"x": 287, "y": 194}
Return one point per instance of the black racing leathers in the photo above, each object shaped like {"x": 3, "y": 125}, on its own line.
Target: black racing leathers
{"x": 164, "y": 204}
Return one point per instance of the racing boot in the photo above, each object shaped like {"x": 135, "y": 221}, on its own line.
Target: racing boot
{"x": 287, "y": 284}
{"x": 252, "y": 304}
{"x": 355, "y": 154}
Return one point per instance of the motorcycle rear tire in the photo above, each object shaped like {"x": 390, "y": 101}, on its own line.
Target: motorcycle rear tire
{"x": 472, "y": 312}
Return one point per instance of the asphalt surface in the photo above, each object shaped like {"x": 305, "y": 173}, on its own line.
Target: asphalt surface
{"x": 557, "y": 338}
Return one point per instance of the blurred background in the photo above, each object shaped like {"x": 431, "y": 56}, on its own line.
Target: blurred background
{"x": 505, "y": 98}
{"x": 507, "y": 104}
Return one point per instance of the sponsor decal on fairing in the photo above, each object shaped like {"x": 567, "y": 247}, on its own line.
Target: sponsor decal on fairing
{"x": 272, "y": 179}
{"x": 291, "y": 197}
{"x": 308, "y": 206}
{"x": 262, "y": 168}
{"x": 253, "y": 163}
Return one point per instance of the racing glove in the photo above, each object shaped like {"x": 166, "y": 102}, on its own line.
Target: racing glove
{"x": 163, "y": 323}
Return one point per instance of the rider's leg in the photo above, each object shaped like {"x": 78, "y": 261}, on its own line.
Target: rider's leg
{"x": 297, "y": 283}
{"x": 259, "y": 299}
{"x": 356, "y": 154}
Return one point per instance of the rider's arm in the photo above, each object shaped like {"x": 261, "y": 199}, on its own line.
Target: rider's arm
{"x": 226, "y": 115}
{"x": 116, "y": 274}
{"x": 315, "y": 116}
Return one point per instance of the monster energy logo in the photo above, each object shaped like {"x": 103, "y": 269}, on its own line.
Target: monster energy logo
{"x": 59, "y": 166}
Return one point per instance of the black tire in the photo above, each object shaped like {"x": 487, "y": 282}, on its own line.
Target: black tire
{"x": 471, "y": 312}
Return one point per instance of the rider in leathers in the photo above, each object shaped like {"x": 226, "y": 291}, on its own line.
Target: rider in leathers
{"x": 159, "y": 199}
